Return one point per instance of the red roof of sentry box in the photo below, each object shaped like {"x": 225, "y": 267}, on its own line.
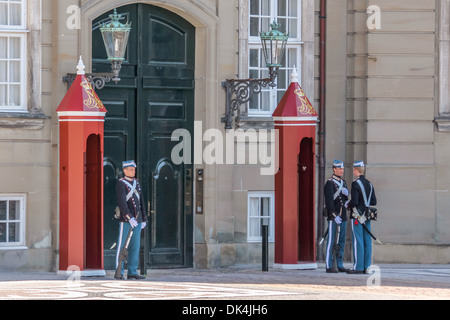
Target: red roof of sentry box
{"x": 81, "y": 96}
{"x": 295, "y": 103}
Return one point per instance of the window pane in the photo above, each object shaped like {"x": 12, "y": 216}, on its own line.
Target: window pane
{"x": 265, "y": 7}
{"x": 3, "y": 14}
{"x": 14, "y": 95}
{"x": 254, "y": 207}
{"x": 14, "y": 48}
{"x": 265, "y": 205}
{"x": 292, "y": 58}
{"x": 2, "y": 232}
{"x": 254, "y": 7}
{"x": 16, "y": 15}
{"x": 14, "y": 210}
{"x": 265, "y": 72}
{"x": 3, "y": 93}
{"x": 292, "y": 28}
{"x": 282, "y": 22}
{"x": 254, "y": 74}
{"x": 282, "y": 10}
{"x": 14, "y": 232}
{"x": 265, "y": 103}
{"x": 282, "y": 78}
{"x": 253, "y": 58}
{"x": 253, "y": 104}
{"x": 254, "y": 228}
{"x": 3, "y": 73}
{"x": 292, "y": 8}
{"x": 254, "y": 27}
{"x": 14, "y": 71}
{"x": 265, "y": 24}
{"x": 280, "y": 95}
{"x": 3, "y": 47}
{"x": 3, "y": 210}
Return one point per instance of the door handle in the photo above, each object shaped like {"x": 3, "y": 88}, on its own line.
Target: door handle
{"x": 150, "y": 211}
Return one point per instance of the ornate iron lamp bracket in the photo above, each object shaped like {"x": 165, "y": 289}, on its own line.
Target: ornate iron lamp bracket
{"x": 97, "y": 80}
{"x": 240, "y": 91}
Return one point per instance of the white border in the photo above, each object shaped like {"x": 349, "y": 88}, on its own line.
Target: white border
{"x": 295, "y": 118}
{"x": 81, "y": 114}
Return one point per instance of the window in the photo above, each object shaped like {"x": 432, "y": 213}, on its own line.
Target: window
{"x": 13, "y": 56}
{"x": 12, "y": 14}
{"x": 287, "y": 13}
{"x": 12, "y": 77}
{"x": 260, "y": 205}
{"x": 12, "y": 221}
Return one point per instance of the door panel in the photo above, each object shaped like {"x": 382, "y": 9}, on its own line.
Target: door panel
{"x": 172, "y": 40}
{"x": 165, "y": 114}
{"x": 119, "y": 144}
{"x": 165, "y": 248}
{"x": 168, "y": 93}
{"x": 154, "y": 98}
{"x": 169, "y": 39}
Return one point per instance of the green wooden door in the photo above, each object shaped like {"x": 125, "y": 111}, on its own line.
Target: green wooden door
{"x": 154, "y": 98}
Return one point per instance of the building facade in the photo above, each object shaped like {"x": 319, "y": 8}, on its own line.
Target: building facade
{"x": 387, "y": 103}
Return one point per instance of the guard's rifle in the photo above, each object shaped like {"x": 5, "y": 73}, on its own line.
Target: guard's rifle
{"x": 336, "y": 246}
{"x": 123, "y": 255}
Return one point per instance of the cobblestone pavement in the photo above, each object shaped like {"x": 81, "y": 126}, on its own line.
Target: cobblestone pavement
{"x": 386, "y": 282}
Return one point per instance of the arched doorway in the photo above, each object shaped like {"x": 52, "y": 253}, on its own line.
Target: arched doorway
{"x": 93, "y": 222}
{"x": 154, "y": 98}
{"x": 306, "y": 238}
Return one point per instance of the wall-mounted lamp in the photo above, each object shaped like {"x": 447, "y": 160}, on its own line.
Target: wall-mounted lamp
{"x": 240, "y": 91}
{"x": 115, "y": 36}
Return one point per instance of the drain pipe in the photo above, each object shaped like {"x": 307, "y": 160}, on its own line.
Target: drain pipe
{"x": 322, "y": 94}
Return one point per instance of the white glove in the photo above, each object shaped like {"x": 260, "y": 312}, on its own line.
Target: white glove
{"x": 338, "y": 220}
{"x": 133, "y": 223}
{"x": 345, "y": 192}
{"x": 143, "y": 225}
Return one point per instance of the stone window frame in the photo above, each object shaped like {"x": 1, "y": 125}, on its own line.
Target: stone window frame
{"x": 31, "y": 116}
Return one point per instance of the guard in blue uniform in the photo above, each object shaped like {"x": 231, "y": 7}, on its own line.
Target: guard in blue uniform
{"x": 132, "y": 215}
{"x": 362, "y": 196}
{"x": 336, "y": 196}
